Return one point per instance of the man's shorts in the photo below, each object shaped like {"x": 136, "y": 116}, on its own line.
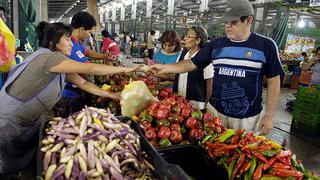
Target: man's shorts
{"x": 249, "y": 124}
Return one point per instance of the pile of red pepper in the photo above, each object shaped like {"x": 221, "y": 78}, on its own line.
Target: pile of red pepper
{"x": 253, "y": 157}
{"x": 173, "y": 121}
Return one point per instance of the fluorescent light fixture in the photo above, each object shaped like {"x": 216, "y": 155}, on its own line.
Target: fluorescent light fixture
{"x": 301, "y": 23}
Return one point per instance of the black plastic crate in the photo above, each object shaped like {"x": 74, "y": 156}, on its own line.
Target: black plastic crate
{"x": 163, "y": 170}
{"x": 193, "y": 161}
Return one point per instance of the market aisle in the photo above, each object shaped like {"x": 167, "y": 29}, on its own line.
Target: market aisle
{"x": 305, "y": 147}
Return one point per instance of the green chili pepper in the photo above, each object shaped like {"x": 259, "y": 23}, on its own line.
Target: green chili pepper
{"x": 226, "y": 135}
{"x": 268, "y": 153}
{"x": 247, "y": 176}
{"x": 230, "y": 168}
{"x": 205, "y": 139}
{"x": 297, "y": 164}
{"x": 164, "y": 142}
{"x": 243, "y": 135}
{"x": 253, "y": 166}
{"x": 212, "y": 138}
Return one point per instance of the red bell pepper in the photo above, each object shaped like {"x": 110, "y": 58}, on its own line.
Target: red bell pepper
{"x": 168, "y": 90}
{"x": 171, "y": 101}
{"x": 175, "y": 127}
{"x": 151, "y": 134}
{"x": 190, "y": 122}
{"x": 258, "y": 172}
{"x": 164, "y": 132}
{"x": 175, "y": 136}
{"x": 207, "y": 117}
{"x": 161, "y": 114}
{"x": 185, "y": 112}
{"x": 165, "y": 105}
{"x": 259, "y": 156}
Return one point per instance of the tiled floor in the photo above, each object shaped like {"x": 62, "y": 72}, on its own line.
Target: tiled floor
{"x": 306, "y": 147}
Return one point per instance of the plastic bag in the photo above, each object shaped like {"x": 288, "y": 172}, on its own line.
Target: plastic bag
{"x": 135, "y": 97}
{"x": 7, "y": 48}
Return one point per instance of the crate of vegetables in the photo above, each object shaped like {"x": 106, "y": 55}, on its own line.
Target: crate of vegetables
{"x": 94, "y": 144}
{"x": 172, "y": 121}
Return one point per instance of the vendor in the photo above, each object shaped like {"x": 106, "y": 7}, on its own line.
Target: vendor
{"x": 82, "y": 24}
{"x": 33, "y": 88}
{"x": 196, "y": 85}
{"x": 314, "y": 66}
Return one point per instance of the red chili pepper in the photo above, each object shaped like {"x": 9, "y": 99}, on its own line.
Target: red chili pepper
{"x": 234, "y": 157}
{"x": 284, "y": 154}
{"x": 265, "y": 147}
{"x": 270, "y": 162}
{"x": 229, "y": 146}
{"x": 246, "y": 166}
{"x": 286, "y": 160}
{"x": 280, "y": 165}
{"x": 258, "y": 172}
{"x": 210, "y": 153}
{"x": 235, "y": 139}
{"x": 259, "y": 156}
{"x": 217, "y": 152}
{"x": 215, "y": 145}
{"x": 250, "y": 137}
{"x": 240, "y": 162}
{"x": 240, "y": 131}
{"x": 226, "y": 152}
{"x": 288, "y": 172}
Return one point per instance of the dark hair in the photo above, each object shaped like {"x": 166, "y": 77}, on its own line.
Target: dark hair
{"x": 318, "y": 49}
{"x": 83, "y": 19}
{"x": 2, "y": 9}
{"x": 152, "y": 32}
{"x": 243, "y": 18}
{"x": 105, "y": 33}
{"x": 171, "y": 37}
{"x": 200, "y": 33}
{"x": 50, "y": 34}
{"x": 304, "y": 54}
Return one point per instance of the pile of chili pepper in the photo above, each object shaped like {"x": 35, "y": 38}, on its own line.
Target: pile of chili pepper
{"x": 246, "y": 156}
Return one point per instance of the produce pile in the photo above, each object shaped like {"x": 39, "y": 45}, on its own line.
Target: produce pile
{"x": 93, "y": 144}
{"x": 254, "y": 157}
{"x": 173, "y": 121}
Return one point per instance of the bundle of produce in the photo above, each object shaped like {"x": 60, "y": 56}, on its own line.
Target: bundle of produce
{"x": 253, "y": 157}
{"x": 93, "y": 144}
{"x": 173, "y": 121}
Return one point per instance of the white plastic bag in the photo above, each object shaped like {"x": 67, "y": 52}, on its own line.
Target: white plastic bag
{"x": 135, "y": 97}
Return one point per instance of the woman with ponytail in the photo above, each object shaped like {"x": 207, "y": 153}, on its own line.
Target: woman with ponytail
{"x": 32, "y": 90}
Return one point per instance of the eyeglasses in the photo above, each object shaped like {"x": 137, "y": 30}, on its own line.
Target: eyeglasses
{"x": 191, "y": 37}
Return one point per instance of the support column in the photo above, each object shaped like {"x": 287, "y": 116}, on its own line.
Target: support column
{"x": 41, "y": 10}
{"x": 93, "y": 10}
{"x": 15, "y": 18}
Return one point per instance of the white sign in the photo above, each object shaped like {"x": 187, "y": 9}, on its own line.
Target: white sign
{"x": 134, "y": 10}
{"x": 170, "y": 7}
{"x": 149, "y": 7}
{"x": 123, "y": 13}
{"x": 314, "y": 3}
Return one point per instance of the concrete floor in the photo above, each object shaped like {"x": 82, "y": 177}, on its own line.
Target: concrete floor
{"x": 306, "y": 147}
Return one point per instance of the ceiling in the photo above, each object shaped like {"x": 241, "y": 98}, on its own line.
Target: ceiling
{"x": 66, "y": 8}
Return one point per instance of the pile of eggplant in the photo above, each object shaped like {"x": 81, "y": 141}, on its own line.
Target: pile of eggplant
{"x": 93, "y": 144}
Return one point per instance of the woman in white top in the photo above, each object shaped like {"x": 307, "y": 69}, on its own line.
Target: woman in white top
{"x": 196, "y": 85}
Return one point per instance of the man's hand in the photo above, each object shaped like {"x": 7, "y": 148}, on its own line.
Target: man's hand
{"x": 266, "y": 124}
{"x": 133, "y": 68}
{"x": 158, "y": 69}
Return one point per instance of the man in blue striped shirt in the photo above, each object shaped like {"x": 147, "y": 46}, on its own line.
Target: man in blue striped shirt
{"x": 241, "y": 59}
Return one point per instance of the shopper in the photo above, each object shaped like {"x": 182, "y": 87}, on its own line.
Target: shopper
{"x": 314, "y": 66}
{"x": 196, "y": 85}
{"x": 108, "y": 45}
{"x": 25, "y": 104}
{"x": 82, "y": 24}
{"x": 151, "y": 44}
{"x": 170, "y": 48}
{"x": 240, "y": 60}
